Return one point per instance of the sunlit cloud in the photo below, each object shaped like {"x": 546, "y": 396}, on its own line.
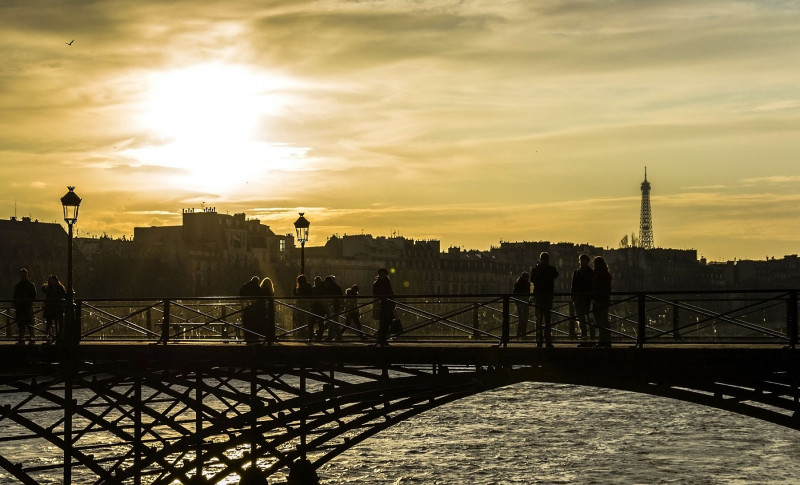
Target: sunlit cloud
{"x": 774, "y": 179}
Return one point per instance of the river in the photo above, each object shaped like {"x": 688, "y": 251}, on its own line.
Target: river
{"x": 549, "y": 434}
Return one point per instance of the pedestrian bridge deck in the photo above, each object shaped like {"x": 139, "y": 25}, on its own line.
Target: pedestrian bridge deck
{"x": 159, "y": 391}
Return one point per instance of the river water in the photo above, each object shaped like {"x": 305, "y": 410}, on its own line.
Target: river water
{"x": 542, "y": 433}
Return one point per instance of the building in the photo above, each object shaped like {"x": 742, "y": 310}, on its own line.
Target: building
{"x": 41, "y": 247}
{"x": 213, "y": 253}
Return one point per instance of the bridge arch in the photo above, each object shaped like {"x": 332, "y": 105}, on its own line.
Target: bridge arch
{"x": 172, "y": 413}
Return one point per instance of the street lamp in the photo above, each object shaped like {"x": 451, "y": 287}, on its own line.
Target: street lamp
{"x": 71, "y": 203}
{"x": 301, "y": 227}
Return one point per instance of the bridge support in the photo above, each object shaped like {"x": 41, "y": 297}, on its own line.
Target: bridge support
{"x": 302, "y": 472}
{"x": 173, "y": 414}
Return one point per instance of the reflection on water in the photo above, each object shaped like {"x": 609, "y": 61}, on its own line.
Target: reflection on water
{"x": 542, "y": 433}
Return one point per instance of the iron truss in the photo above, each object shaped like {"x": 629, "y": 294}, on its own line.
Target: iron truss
{"x": 134, "y": 424}
{"x": 158, "y": 415}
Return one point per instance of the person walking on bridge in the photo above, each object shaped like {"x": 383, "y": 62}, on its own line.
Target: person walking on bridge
{"x": 522, "y": 294}
{"x": 335, "y": 294}
{"x": 582, "y": 297}
{"x": 352, "y": 313}
{"x": 382, "y": 288}
{"x": 544, "y": 277}
{"x": 24, "y": 296}
{"x": 55, "y": 294}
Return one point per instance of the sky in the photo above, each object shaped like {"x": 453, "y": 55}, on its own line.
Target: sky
{"x": 470, "y": 122}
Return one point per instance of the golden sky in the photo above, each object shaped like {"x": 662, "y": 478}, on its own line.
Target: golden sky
{"x": 467, "y": 122}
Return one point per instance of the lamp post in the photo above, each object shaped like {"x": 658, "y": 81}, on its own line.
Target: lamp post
{"x": 71, "y": 202}
{"x": 301, "y": 227}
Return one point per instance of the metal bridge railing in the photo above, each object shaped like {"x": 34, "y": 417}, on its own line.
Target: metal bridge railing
{"x": 639, "y": 318}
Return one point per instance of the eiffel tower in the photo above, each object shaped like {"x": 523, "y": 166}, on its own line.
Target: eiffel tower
{"x": 646, "y": 220}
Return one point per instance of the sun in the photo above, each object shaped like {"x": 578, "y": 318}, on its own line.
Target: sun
{"x": 205, "y": 120}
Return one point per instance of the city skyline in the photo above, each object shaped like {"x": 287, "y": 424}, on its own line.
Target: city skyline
{"x": 467, "y": 123}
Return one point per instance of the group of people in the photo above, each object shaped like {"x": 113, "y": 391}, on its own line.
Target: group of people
{"x": 323, "y": 305}
{"x": 53, "y": 312}
{"x": 258, "y": 315}
{"x": 591, "y": 296}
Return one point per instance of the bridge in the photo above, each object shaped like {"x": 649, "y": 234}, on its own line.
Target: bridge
{"x": 179, "y": 390}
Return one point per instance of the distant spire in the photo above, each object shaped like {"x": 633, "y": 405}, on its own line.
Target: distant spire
{"x": 646, "y": 219}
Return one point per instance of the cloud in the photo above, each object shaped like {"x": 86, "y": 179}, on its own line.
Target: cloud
{"x": 773, "y": 179}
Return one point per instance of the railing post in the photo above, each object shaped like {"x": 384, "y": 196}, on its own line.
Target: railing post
{"x": 573, "y": 322}
{"x": 506, "y": 320}
{"x": 165, "y": 324}
{"x": 642, "y": 319}
{"x": 9, "y": 332}
{"x": 224, "y": 318}
{"x": 272, "y": 324}
{"x": 78, "y": 321}
{"x": 791, "y": 320}
{"x": 676, "y": 325}
{"x": 475, "y": 322}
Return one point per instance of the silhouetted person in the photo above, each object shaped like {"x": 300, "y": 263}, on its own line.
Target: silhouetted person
{"x": 268, "y": 291}
{"x": 302, "y": 289}
{"x": 24, "y": 296}
{"x": 351, "y": 311}
{"x": 382, "y": 289}
{"x": 601, "y": 290}
{"x": 522, "y": 291}
{"x": 253, "y": 311}
{"x": 54, "y": 295}
{"x": 319, "y": 309}
{"x": 334, "y": 292}
{"x": 582, "y": 296}
{"x": 544, "y": 276}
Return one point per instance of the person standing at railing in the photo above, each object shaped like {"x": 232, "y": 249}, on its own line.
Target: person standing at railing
{"x": 54, "y": 293}
{"x": 544, "y": 277}
{"x": 522, "y": 293}
{"x": 382, "y": 289}
{"x": 352, "y": 314}
{"x": 335, "y": 294}
{"x": 303, "y": 290}
{"x": 252, "y": 312}
{"x": 319, "y": 309}
{"x": 268, "y": 292}
{"x": 24, "y": 296}
{"x": 582, "y": 297}
{"x": 601, "y": 291}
